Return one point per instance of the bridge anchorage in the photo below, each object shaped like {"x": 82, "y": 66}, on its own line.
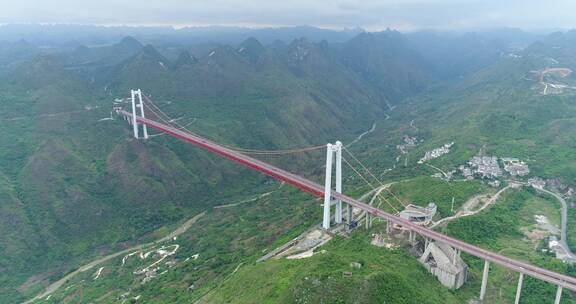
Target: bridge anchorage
{"x": 337, "y": 198}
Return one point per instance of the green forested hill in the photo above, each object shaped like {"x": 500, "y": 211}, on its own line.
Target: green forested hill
{"x": 75, "y": 185}
{"x": 500, "y": 109}
{"x": 386, "y": 276}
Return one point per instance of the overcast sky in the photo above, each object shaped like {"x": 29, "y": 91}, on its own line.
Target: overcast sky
{"x": 368, "y": 14}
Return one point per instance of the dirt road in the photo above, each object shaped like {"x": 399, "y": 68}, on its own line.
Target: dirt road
{"x": 466, "y": 209}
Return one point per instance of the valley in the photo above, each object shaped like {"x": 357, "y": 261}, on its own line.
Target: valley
{"x": 94, "y": 215}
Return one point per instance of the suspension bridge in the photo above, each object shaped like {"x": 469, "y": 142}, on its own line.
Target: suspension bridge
{"x": 332, "y": 197}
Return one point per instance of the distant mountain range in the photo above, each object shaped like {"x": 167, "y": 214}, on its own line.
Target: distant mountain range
{"x": 74, "y": 185}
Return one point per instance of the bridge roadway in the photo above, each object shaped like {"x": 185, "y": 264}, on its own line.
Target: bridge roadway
{"x": 315, "y": 189}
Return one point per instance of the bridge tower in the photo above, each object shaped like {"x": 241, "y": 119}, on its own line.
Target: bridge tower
{"x": 138, "y": 104}
{"x": 331, "y": 151}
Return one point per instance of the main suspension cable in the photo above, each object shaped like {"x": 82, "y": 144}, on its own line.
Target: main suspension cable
{"x": 172, "y": 122}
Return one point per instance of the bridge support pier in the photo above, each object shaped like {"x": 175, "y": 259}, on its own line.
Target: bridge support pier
{"x": 330, "y": 151}
{"x": 519, "y": 288}
{"x": 349, "y": 218}
{"x": 558, "y": 295}
{"x": 368, "y": 221}
{"x": 484, "y": 280}
{"x": 456, "y": 254}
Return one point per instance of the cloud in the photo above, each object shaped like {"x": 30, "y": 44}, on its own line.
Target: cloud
{"x": 371, "y": 14}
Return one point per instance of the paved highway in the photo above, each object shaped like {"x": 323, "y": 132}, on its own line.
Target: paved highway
{"x": 563, "y": 233}
{"x": 318, "y": 190}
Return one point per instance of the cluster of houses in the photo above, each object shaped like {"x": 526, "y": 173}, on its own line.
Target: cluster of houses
{"x": 445, "y": 149}
{"x": 409, "y": 142}
{"x": 486, "y": 166}
{"x": 440, "y": 259}
{"x": 515, "y": 167}
{"x": 489, "y": 167}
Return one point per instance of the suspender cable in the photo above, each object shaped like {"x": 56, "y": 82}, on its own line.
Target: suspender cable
{"x": 373, "y": 176}
{"x": 367, "y": 182}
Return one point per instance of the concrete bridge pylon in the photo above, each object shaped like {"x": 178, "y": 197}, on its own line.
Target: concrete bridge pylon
{"x": 333, "y": 151}
{"x": 136, "y": 100}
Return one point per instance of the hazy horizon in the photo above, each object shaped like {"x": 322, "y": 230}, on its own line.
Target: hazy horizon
{"x": 372, "y": 15}
{"x": 542, "y": 30}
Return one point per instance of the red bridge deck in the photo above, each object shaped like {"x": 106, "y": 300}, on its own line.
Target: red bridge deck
{"x": 317, "y": 190}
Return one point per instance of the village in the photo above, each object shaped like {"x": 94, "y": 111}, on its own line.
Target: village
{"x": 494, "y": 171}
{"x": 488, "y": 167}
{"x": 445, "y": 149}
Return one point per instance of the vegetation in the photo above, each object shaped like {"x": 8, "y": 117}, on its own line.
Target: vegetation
{"x": 74, "y": 186}
{"x": 385, "y": 276}
{"x": 502, "y": 228}
{"x": 423, "y": 190}
{"x": 224, "y": 238}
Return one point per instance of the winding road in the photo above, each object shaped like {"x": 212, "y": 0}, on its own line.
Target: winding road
{"x": 54, "y": 286}
{"x": 564, "y": 211}
{"x": 359, "y": 137}
{"x": 563, "y": 234}
{"x": 464, "y": 212}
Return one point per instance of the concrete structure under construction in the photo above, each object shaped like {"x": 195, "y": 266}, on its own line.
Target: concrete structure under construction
{"x": 445, "y": 263}
{"x": 419, "y": 215}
